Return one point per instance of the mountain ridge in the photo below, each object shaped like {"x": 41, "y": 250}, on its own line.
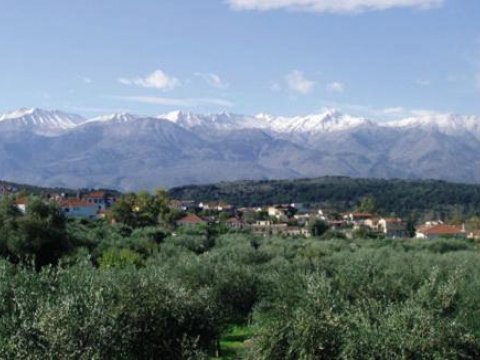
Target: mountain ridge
{"x": 326, "y": 120}
{"x": 130, "y": 152}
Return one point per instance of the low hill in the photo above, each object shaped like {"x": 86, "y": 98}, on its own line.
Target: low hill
{"x": 427, "y": 198}
{"x": 12, "y": 187}
{"x": 401, "y": 197}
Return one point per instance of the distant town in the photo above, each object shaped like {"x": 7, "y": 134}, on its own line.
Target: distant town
{"x": 288, "y": 220}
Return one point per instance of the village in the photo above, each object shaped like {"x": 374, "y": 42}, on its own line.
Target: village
{"x": 296, "y": 220}
{"x": 287, "y": 220}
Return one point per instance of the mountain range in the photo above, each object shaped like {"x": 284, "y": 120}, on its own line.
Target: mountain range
{"x": 131, "y": 152}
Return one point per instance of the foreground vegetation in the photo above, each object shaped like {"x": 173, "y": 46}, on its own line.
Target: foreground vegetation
{"x": 148, "y": 291}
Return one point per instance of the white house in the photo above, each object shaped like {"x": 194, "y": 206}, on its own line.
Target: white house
{"x": 276, "y": 212}
{"x": 393, "y": 227}
{"x": 22, "y": 204}
{"x": 357, "y": 218}
{"x": 75, "y": 208}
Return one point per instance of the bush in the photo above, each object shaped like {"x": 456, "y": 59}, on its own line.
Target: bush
{"x": 39, "y": 235}
{"x": 83, "y": 313}
{"x": 326, "y": 324}
{"x": 299, "y": 298}
{"x": 120, "y": 257}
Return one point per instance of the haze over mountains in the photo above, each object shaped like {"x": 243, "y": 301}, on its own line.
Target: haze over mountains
{"x": 129, "y": 152}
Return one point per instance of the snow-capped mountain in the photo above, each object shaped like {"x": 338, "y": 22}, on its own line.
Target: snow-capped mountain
{"x": 329, "y": 120}
{"x": 221, "y": 121}
{"x": 115, "y": 117}
{"x": 130, "y": 152}
{"x": 39, "y": 121}
{"x": 448, "y": 123}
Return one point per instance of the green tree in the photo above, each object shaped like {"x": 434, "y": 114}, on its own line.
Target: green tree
{"x": 318, "y": 227}
{"x": 123, "y": 211}
{"x": 143, "y": 209}
{"x": 411, "y": 223}
{"x": 368, "y": 205}
{"x": 39, "y": 234}
{"x": 9, "y": 213}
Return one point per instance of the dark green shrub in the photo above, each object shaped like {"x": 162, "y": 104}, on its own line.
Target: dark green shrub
{"x": 84, "y": 313}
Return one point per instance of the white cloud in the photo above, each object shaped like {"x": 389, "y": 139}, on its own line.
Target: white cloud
{"x": 296, "y": 81}
{"x": 157, "y": 80}
{"x": 332, "y": 6}
{"x": 180, "y": 102}
{"x": 213, "y": 80}
{"x": 336, "y": 87}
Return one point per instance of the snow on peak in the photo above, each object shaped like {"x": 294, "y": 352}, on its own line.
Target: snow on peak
{"x": 264, "y": 117}
{"x": 173, "y": 116}
{"x": 186, "y": 119}
{"x": 118, "y": 117}
{"x": 328, "y": 120}
{"x": 17, "y": 113}
{"x": 444, "y": 122}
{"x": 220, "y": 121}
{"x": 53, "y": 122}
{"x": 41, "y": 121}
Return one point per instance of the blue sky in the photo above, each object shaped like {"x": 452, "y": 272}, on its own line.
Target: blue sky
{"x": 377, "y": 58}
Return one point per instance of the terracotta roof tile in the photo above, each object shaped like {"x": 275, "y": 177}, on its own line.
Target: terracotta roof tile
{"x": 75, "y": 203}
{"x": 191, "y": 219}
{"x": 441, "y": 229}
{"x": 96, "y": 195}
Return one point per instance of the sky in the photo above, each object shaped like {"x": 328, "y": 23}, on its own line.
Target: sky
{"x": 377, "y": 58}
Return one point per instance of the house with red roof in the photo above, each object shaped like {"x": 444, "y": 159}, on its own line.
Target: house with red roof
{"x": 22, "y": 204}
{"x": 76, "y": 208}
{"x": 440, "y": 230}
{"x": 99, "y": 198}
{"x": 191, "y": 220}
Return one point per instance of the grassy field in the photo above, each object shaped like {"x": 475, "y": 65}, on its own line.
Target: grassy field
{"x": 234, "y": 342}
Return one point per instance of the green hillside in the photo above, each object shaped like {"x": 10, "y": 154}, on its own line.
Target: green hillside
{"x": 392, "y": 196}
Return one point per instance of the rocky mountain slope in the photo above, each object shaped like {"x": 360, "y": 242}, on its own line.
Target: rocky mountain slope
{"x": 127, "y": 152}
